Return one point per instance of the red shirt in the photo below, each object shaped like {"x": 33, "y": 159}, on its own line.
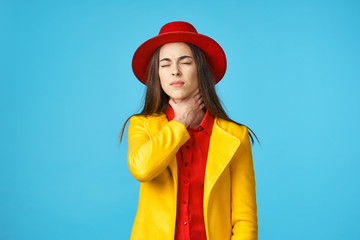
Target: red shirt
{"x": 191, "y": 162}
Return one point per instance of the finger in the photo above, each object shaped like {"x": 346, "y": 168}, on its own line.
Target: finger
{"x": 197, "y": 91}
{"x": 201, "y": 106}
{"x": 199, "y": 100}
{"x": 197, "y": 95}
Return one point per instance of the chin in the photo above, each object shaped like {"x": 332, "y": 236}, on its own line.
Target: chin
{"x": 176, "y": 94}
{"x": 179, "y": 96}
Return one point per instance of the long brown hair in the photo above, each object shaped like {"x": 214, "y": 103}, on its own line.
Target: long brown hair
{"x": 156, "y": 100}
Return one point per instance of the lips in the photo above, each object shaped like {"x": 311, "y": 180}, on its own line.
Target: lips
{"x": 177, "y": 83}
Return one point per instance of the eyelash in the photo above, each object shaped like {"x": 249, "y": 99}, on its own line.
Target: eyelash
{"x": 188, "y": 63}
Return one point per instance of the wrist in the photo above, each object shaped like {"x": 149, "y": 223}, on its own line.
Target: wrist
{"x": 181, "y": 120}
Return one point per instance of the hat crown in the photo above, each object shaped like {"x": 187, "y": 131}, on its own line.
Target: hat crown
{"x": 179, "y": 31}
{"x": 178, "y": 26}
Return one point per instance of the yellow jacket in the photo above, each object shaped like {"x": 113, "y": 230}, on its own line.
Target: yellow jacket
{"x": 229, "y": 186}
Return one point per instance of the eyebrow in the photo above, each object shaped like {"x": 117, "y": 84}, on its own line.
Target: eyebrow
{"x": 179, "y": 58}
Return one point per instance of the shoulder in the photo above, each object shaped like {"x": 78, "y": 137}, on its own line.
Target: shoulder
{"x": 152, "y": 122}
{"x": 239, "y": 131}
{"x": 136, "y": 118}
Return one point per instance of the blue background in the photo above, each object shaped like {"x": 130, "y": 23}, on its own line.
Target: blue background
{"x": 67, "y": 87}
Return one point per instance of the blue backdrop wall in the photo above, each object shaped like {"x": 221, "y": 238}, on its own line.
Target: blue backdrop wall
{"x": 67, "y": 87}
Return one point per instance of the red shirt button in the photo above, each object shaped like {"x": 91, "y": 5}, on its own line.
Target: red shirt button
{"x": 186, "y": 181}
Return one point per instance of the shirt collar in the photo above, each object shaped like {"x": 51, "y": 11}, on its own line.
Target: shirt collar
{"x": 206, "y": 123}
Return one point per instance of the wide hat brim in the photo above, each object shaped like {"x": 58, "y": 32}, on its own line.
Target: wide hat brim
{"x": 214, "y": 53}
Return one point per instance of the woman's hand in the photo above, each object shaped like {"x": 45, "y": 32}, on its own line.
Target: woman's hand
{"x": 188, "y": 108}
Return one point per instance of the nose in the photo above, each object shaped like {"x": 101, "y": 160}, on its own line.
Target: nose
{"x": 176, "y": 71}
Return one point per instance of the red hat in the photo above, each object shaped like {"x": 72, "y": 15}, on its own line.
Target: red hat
{"x": 179, "y": 32}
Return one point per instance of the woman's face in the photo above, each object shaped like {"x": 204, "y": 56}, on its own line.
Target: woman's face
{"x": 177, "y": 70}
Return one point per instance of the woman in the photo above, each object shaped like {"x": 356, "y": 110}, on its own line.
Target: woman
{"x": 193, "y": 162}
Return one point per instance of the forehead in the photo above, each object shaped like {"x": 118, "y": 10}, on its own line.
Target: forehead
{"x": 175, "y": 49}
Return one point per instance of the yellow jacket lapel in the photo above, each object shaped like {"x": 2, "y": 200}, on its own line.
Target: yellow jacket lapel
{"x": 222, "y": 147}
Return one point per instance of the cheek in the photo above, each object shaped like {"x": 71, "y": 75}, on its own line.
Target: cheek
{"x": 195, "y": 78}
{"x": 163, "y": 84}
{"x": 164, "y": 74}
{"x": 162, "y": 79}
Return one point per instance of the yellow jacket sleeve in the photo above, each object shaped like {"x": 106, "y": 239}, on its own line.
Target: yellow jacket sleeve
{"x": 243, "y": 200}
{"x": 147, "y": 155}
